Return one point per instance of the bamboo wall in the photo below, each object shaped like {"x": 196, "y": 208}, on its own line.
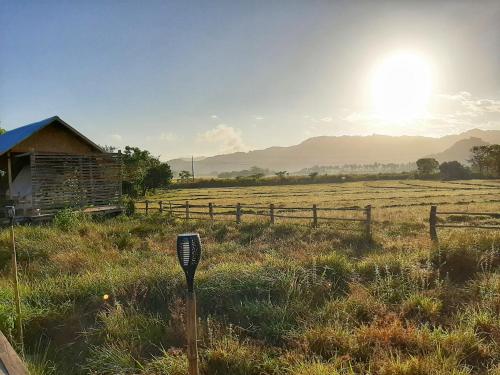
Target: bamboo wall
{"x": 62, "y": 180}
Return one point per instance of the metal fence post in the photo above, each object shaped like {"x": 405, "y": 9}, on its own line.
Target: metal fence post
{"x": 432, "y": 223}
{"x": 315, "y": 216}
{"x": 271, "y": 213}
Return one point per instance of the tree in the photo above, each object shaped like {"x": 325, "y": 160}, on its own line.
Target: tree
{"x": 453, "y": 170}
{"x": 313, "y": 175}
{"x": 486, "y": 158}
{"x": 281, "y": 174}
{"x": 157, "y": 176}
{"x": 479, "y": 158}
{"x": 427, "y": 166}
{"x": 2, "y": 131}
{"x": 185, "y": 176}
{"x": 136, "y": 163}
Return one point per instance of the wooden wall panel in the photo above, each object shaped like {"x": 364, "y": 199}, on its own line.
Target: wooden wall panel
{"x": 61, "y": 181}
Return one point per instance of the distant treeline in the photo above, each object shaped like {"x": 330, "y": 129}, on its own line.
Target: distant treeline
{"x": 290, "y": 180}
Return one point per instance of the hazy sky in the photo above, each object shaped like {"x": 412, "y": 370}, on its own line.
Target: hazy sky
{"x": 188, "y": 77}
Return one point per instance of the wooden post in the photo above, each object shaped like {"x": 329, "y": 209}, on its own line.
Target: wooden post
{"x": 170, "y": 207}
{"x": 368, "y": 222}
{"x": 271, "y": 213}
{"x": 9, "y": 174}
{"x": 147, "y": 206}
{"x": 315, "y": 216}
{"x": 192, "y": 347}
{"x": 187, "y": 210}
{"x": 15, "y": 282}
{"x": 238, "y": 213}
{"x": 211, "y": 210}
{"x": 432, "y": 223}
{"x": 161, "y": 207}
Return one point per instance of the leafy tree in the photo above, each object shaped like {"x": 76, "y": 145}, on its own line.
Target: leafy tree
{"x": 486, "y": 159}
{"x": 2, "y": 131}
{"x": 136, "y": 163}
{"x": 453, "y": 170}
{"x": 427, "y": 166}
{"x": 281, "y": 174}
{"x": 313, "y": 175}
{"x": 479, "y": 158}
{"x": 185, "y": 176}
{"x": 157, "y": 176}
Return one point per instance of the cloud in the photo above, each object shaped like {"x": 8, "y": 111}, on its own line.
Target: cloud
{"x": 259, "y": 118}
{"x": 214, "y": 117}
{"x": 327, "y": 119}
{"x": 168, "y": 137}
{"x": 116, "y": 137}
{"x": 228, "y": 137}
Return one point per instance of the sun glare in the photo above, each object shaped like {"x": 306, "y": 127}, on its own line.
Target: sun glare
{"x": 401, "y": 87}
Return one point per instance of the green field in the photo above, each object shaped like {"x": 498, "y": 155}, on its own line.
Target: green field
{"x": 279, "y": 299}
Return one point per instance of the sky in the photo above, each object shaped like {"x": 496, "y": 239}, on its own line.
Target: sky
{"x": 183, "y": 78}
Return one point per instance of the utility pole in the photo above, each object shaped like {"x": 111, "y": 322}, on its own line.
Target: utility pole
{"x": 192, "y": 166}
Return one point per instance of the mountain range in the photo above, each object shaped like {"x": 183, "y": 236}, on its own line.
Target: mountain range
{"x": 339, "y": 150}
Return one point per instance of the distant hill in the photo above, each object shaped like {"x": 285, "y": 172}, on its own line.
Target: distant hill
{"x": 459, "y": 151}
{"x": 335, "y": 150}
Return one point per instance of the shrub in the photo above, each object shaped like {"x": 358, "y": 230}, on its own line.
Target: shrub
{"x": 327, "y": 342}
{"x": 68, "y": 219}
{"x": 458, "y": 263}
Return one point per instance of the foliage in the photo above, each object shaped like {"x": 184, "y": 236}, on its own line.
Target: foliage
{"x": 453, "y": 170}
{"x": 157, "y": 176}
{"x": 253, "y": 172}
{"x": 427, "y": 166}
{"x": 185, "y": 176}
{"x": 143, "y": 171}
{"x": 486, "y": 159}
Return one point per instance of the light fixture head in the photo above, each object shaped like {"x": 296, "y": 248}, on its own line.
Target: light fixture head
{"x": 189, "y": 254}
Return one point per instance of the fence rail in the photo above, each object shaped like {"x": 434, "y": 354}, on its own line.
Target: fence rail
{"x": 273, "y": 212}
{"x": 434, "y": 222}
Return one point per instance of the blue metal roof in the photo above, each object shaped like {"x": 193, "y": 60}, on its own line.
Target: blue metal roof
{"x": 13, "y": 137}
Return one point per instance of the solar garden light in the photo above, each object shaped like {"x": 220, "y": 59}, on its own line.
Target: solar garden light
{"x": 11, "y": 214}
{"x": 189, "y": 253}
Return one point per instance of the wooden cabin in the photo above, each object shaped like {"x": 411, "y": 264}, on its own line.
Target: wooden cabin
{"x": 48, "y": 165}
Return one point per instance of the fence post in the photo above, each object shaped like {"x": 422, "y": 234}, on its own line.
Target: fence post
{"x": 315, "y": 216}
{"x": 271, "y": 213}
{"x": 211, "y": 211}
{"x": 238, "y": 213}
{"x": 147, "y": 206}
{"x": 368, "y": 222}
{"x": 432, "y": 223}
{"x": 170, "y": 207}
{"x": 187, "y": 210}
{"x": 161, "y": 207}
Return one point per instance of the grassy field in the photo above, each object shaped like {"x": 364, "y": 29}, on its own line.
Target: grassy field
{"x": 272, "y": 299}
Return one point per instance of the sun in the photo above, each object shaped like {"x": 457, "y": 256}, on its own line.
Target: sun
{"x": 401, "y": 86}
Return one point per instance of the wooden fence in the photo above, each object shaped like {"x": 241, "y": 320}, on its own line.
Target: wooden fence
{"x": 434, "y": 222}
{"x": 236, "y": 212}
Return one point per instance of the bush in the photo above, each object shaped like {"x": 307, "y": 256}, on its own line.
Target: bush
{"x": 68, "y": 219}
{"x": 422, "y": 308}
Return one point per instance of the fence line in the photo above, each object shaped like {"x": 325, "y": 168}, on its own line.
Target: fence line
{"x": 433, "y": 221}
{"x": 240, "y": 210}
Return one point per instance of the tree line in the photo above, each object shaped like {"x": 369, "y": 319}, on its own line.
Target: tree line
{"x": 485, "y": 160}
